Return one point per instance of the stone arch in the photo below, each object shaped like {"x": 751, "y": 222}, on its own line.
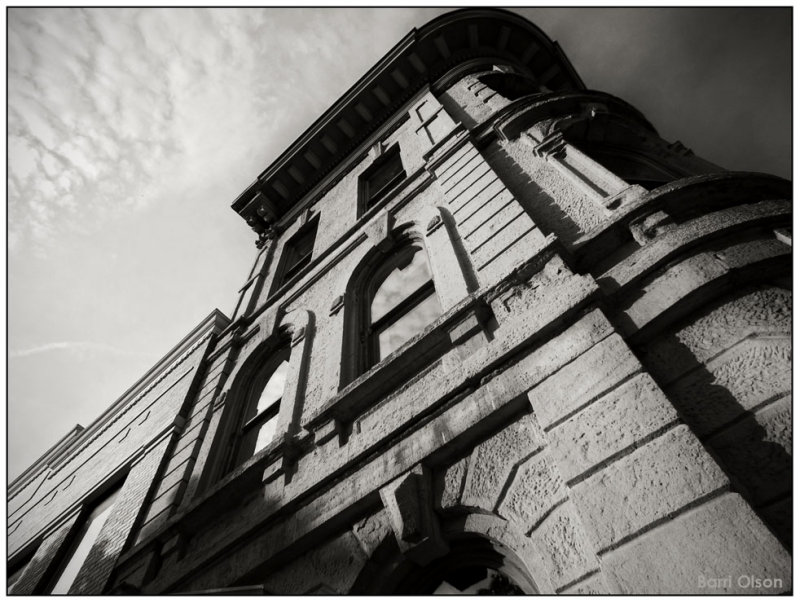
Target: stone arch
{"x": 362, "y": 280}
{"x": 476, "y": 542}
{"x": 292, "y": 330}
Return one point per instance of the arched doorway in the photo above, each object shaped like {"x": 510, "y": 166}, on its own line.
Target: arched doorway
{"x": 474, "y": 564}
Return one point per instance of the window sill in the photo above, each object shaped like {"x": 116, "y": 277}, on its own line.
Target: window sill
{"x": 390, "y": 373}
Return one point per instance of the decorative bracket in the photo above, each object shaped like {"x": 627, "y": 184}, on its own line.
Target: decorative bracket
{"x": 409, "y": 503}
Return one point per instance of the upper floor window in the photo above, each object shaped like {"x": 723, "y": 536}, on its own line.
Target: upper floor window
{"x": 511, "y": 85}
{"x": 297, "y": 254}
{"x": 628, "y": 164}
{"x": 381, "y": 177}
{"x": 81, "y": 543}
{"x": 259, "y": 419}
{"x": 402, "y": 302}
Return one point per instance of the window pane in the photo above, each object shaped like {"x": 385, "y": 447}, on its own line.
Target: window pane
{"x": 273, "y": 390}
{"x": 399, "y": 285}
{"x": 266, "y": 434}
{"x": 408, "y": 325}
{"x": 384, "y": 175}
{"x": 86, "y": 538}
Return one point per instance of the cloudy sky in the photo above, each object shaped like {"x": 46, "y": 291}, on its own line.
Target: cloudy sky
{"x": 130, "y": 132}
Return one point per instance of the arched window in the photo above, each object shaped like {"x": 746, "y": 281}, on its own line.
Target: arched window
{"x": 401, "y": 301}
{"x": 259, "y": 420}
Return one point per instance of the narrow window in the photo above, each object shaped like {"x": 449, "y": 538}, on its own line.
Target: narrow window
{"x": 386, "y": 173}
{"x": 82, "y": 542}
{"x": 260, "y": 417}
{"x": 404, "y": 302}
{"x": 296, "y": 254}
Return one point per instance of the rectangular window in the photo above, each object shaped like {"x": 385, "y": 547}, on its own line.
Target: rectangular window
{"x": 385, "y": 174}
{"x": 85, "y": 537}
{"x": 296, "y": 254}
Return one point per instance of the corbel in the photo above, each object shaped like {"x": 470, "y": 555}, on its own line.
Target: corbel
{"x": 379, "y": 230}
{"x": 648, "y": 227}
{"x": 409, "y": 503}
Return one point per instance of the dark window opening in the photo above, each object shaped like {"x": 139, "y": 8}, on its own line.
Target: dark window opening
{"x": 297, "y": 254}
{"x": 629, "y": 166}
{"x": 260, "y": 416}
{"x": 510, "y": 85}
{"x": 381, "y": 178}
{"x": 473, "y": 566}
{"x": 476, "y": 580}
{"x": 82, "y": 542}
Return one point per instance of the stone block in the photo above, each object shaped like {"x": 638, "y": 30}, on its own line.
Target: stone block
{"x": 473, "y": 182}
{"x": 743, "y": 377}
{"x": 614, "y": 422}
{"x": 593, "y": 585}
{"x": 670, "y": 287}
{"x": 372, "y": 530}
{"x": 565, "y": 549}
{"x": 720, "y": 547}
{"x": 758, "y": 451}
{"x": 778, "y": 516}
{"x": 451, "y": 484}
{"x": 509, "y": 248}
{"x": 646, "y": 486}
{"x": 496, "y": 224}
{"x": 536, "y": 488}
{"x": 335, "y": 564}
{"x": 471, "y": 220}
{"x": 765, "y": 311}
{"x": 493, "y": 460}
{"x": 588, "y": 376}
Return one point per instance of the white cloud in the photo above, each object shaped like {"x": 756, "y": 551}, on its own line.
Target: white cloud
{"x": 72, "y": 347}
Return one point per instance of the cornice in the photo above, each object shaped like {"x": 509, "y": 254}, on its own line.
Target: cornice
{"x": 418, "y": 60}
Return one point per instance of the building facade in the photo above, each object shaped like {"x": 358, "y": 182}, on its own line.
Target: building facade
{"x": 498, "y": 336}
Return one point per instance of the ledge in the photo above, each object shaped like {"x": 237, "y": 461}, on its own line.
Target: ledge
{"x": 682, "y": 199}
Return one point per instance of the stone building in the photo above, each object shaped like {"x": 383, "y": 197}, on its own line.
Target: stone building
{"x": 498, "y": 335}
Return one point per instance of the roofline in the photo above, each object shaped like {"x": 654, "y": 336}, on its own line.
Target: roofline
{"x": 215, "y": 322}
{"x": 260, "y": 204}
